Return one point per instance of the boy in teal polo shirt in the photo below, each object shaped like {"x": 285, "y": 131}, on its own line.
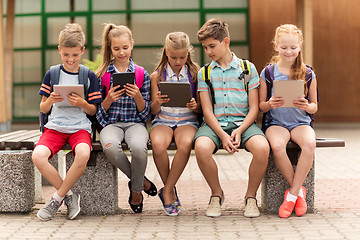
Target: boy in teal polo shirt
{"x": 229, "y": 121}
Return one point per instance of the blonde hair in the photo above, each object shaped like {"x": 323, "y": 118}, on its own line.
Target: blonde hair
{"x": 177, "y": 41}
{"x": 110, "y": 31}
{"x": 72, "y": 36}
{"x": 298, "y": 69}
{"x": 213, "y": 28}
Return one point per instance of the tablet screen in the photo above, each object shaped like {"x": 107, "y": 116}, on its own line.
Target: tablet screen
{"x": 178, "y": 92}
{"x": 123, "y": 78}
{"x": 65, "y": 90}
{"x": 289, "y": 90}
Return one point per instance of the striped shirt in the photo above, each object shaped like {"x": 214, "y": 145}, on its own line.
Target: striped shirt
{"x": 175, "y": 116}
{"x": 231, "y": 98}
{"x": 124, "y": 109}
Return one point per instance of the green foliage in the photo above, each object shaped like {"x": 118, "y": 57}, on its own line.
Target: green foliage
{"x": 93, "y": 65}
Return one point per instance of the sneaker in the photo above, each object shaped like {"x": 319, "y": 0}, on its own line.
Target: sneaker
{"x": 300, "y": 204}
{"x": 214, "y": 208}
{"x": 251, "y": 208}
{"x": 49, "y": 210}
{"x": 286, "y": 207}
{"x": 72, "y": 203}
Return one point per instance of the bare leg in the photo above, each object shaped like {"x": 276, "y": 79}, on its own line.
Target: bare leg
{"x": 259, "y": 147}
{"x": 40, "y": 158}
{"x": 184, "y": 136}
{"x": 161, "y": 137}
{"x": 304, "y": 136}
{"x": 278, "y": 138}
{"x": 204, "y": 148}
{"x": 82, "y": 155}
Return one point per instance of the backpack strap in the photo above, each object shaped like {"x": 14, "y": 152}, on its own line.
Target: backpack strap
{"x": 246, "y": 73}
{"x": 139, "y": 76}
{"x": 105, "y": 80}
{"x": 83, "y": 79}
{"x": 192, "y": 85}
{"x": 54, "y": 75}
{"x": 206, "y": 77}
{"x": 269, "y": 79}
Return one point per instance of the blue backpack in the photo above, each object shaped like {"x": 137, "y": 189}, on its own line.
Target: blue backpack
{"x": 269, "y": 79}
{"x": 54, "y": 80}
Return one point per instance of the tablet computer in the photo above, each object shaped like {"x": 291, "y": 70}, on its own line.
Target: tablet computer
{"x": 65, "y": 90}
{"x": 289, "y": 90}
{"x": 178, "y": 92}
{"x": 122, "y": 79}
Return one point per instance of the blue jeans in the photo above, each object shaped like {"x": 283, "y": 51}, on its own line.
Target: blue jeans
{"x": 136, "y": 136}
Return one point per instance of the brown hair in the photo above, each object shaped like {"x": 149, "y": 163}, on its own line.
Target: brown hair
{"x": 72, "y": 36}
{"x": 177, "y": 41}
{"x": 110, "y": 31}
{"x": 213, "y": 28}
{"x": 298, "y": 69}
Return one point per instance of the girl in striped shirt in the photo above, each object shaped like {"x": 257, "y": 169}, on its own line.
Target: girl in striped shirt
{"x": 178, "y": 123}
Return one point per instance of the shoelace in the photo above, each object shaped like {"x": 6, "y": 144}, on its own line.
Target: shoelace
{"x": 53, "y": 205}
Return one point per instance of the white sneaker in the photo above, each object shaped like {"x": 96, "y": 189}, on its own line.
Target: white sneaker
{"x": 251, "y": 208}
{"x": 214, "y": 208}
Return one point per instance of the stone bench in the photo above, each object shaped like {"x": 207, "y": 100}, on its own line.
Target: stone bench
{"x": 98, "y": 186}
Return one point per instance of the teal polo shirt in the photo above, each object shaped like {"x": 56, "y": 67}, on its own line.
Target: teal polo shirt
{"x": 231, "y": 98}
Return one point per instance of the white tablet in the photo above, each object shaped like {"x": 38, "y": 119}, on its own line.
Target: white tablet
{"x": 178, "y": 92}
{"x": 289, "y": 90}
{"x": 65, "y": 90}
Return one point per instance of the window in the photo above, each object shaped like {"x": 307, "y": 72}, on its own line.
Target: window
{"x": 38, "y": 22}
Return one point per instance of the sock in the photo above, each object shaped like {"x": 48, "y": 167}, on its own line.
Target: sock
{"x": 290, "y": 197}
{"x": 301, "y": 194}
{"x": 57, "y": 197}
{"x": 69, "y": 193}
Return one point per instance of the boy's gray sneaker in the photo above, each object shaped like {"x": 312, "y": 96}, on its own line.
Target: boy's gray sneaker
{"x": 72, "y": 203}
{"x": 49, "y": 210}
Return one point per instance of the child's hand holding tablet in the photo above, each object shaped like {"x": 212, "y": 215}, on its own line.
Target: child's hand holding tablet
{"x": 289, "y": 91}
{"x": 121, "y": 79}
{"x": 178, "y": 93}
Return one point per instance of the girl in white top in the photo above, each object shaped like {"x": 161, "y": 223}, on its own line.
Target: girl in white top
{"x": 171, "y": 123}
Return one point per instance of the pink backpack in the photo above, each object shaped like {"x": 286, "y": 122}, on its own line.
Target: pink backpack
{"x": 139, "y": 78}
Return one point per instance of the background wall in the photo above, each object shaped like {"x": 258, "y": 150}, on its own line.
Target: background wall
{"x": 336, "y": 48}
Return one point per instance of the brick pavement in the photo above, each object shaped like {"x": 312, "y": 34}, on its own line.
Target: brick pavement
{"x": 337, "y": 203}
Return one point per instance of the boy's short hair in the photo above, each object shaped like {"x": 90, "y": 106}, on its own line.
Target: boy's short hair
{"x": 213, "y": 28}
{"x": 72, "y": 36}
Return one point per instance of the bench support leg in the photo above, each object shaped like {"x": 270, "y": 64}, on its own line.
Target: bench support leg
{"x": 274, "y": 185}
{"x": 98, "y": 187}
{"x": 38, "y": 186}
{"x": 17, "y": 184}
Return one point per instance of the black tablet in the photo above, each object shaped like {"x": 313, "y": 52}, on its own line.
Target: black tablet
{"x": 178, "y": 92}
{"x": 123, "y": 78}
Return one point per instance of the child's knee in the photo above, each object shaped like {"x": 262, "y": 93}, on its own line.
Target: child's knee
{"x": 261, "y": 150}
{"x": 309, "y": 147}
{"x": 40, "y": 155}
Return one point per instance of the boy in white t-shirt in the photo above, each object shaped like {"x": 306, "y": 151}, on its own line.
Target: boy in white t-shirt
{"x": 66, "y": 124}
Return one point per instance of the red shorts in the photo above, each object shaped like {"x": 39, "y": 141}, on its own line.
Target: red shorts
{"x": 55, "y": 140}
